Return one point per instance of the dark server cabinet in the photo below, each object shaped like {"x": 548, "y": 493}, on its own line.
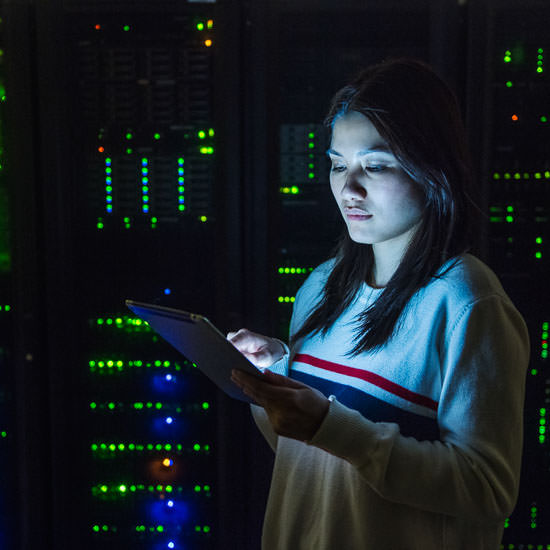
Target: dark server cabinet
{"x": 515, "y": 172}
{"x": 121, "y": 197}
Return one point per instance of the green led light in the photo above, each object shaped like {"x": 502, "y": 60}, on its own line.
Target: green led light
{"x": 129, "y": 151}
{"x": 129, "y": 135}
{"x": 156, "y": 136}
{"x": 311, "y": 135}
{"x": 196, "y": 447}
{"x": 103, "y": 488}
{"x": 203, "y": 219}
{"x": 205, "y": 405}
{"x": 509, "y": 84}
{"x": 122, "y": 488}
{"x": 311, "y": 175}
{"x": 509, "y": 208}
{"x": 543, "y": 119}
{"x": 294, "y": 190}
{"x": 126, "y": 28}
{"x": 509, "y": 219}
{"x": 538, "y": 255}
{"x": 200, "y": 26}
{"x": 93, "y": 405}
{"x": 201, "y": 134}
{"x": 3, "y": 433}
{"x": 211, "y": 132}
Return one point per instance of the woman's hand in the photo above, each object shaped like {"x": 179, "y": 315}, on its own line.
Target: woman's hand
{"x": 294, "y": 409}
{"x": 260, "y": 350}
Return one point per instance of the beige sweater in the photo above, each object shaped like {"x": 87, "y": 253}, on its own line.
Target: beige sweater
{"x": 421, "y": 447}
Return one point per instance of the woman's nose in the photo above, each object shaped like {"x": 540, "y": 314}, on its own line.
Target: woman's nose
{"x": 352, "y": 188}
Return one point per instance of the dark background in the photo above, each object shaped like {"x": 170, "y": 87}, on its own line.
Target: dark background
{"x": 139, "y": 160}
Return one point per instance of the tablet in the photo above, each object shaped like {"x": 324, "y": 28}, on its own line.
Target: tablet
{"x": 196, "y": 338}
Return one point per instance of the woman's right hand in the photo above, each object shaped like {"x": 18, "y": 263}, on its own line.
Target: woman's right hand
{"x": 260, "y": 350}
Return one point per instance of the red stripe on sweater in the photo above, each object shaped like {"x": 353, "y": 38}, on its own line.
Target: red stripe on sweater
{"x": 370, "y": 377}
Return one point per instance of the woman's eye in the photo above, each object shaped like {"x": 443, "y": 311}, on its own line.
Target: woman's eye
{"x": 337, "y": 168}
{"x": 375, "y": 168}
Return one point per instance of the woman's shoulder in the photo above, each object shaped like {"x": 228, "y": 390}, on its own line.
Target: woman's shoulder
{"x": 466, "y": 279}
{"x": 316, "y": 280}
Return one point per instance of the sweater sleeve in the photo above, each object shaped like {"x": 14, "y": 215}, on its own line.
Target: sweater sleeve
{"x": 473, "y": 470}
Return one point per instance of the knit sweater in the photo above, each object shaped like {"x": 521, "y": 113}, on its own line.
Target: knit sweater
{"x": 421, "y": 446}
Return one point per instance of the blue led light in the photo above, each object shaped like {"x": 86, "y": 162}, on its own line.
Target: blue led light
{"x": 167, "y": 291}
{"x": 169, "y": 377}
{"x": 171, "y": 545}
{"x": 169, "y": 420}
{"x": 170, "y": 504}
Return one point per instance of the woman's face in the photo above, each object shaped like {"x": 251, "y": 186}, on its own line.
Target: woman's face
{"x": 380, "y": 204}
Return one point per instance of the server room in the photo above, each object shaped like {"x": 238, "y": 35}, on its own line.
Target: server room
{"x": 174, "y": 152}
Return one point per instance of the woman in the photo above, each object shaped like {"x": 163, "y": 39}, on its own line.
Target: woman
{"x": 396, "y": 416}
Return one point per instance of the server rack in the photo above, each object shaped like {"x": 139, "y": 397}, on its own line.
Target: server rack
{"x": 515, "y": 172}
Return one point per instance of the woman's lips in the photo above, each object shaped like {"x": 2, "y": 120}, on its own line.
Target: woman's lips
{"x": 356, "y": 214}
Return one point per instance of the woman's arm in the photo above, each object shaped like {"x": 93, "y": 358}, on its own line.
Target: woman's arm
{"x": 473, "y": 470}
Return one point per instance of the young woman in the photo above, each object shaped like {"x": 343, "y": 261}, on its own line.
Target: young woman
{"x": 396, "y": 415}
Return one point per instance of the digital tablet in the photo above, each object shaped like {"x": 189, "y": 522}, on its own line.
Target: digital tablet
{"x": 196, "y": 338}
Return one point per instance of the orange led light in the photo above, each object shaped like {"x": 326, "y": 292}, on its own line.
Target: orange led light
{"x": 208, "y": 43}
{"x": 515, "y": 118}
{"x": 101, "y": 149}
{"x": 167, "y": 462}
{"x": 97, "y": 27}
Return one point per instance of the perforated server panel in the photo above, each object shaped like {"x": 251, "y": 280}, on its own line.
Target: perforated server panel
{"x": 519, "y": 213}
{"x": 139, "y": 216}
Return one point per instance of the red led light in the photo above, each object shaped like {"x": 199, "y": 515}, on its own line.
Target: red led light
{"x": 97, "y": 27}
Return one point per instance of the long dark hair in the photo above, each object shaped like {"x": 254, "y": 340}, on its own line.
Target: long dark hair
{"x": 418, "y": 116}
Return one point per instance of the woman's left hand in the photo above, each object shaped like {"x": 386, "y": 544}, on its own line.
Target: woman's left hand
{"x": 294, "y": 409}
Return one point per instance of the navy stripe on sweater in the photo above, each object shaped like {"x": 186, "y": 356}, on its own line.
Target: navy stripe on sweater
{"x": 374, "y": 409}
